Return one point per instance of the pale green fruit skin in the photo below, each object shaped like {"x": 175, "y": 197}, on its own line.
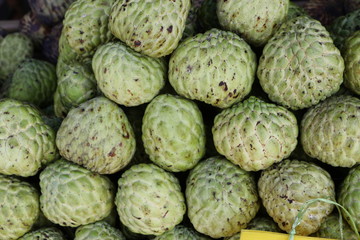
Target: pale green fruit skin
{"x": 216, "y": 67}
{"x": 127, "y": 77}
{"x": 99, "y": 230}
{"x": 97, "y": 135}
{"x": 14, "y": 48}
{"x": 213, "y": 188}
{"x": 351, "y": 55}
{"x": 84, "y": 34}
{"x": 330, "y": 228}
{"x": 256, "y": 20}
{"x": 51, "y": 233}
{"x": 34, "y": 81}
{"x": 151, "y": 27}
{"x": 330, "y": 131}
{"x": 26, "y": 142}
{"x": 19, "y": 207}
{"x": 349, "y": 195}
{"x": 286, "y": 186}
{"x": 173, "y": 133}
{"x": 72, "y": 195}
{"x": 149, "y": 200}
{"x": 76, "y": 85}
{"x": 255, "y": 134}
{"x": 181, "y": 232}
{"x": 300, "y": 66}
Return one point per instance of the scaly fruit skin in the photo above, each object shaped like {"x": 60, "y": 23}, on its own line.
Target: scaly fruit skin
{"x": 76, "y": 85}
{"x": 300, "y": 66}
{"x": 255, "y": 20}
{"x": 91, "y": 30}
{"x": 99, "y": 230}
{"x": 216, "y": 67}
{"x": 286, "y": 186}
{"x": 51, "y": 233}
{"x": 19, "y": 207}
{"x": 351, "y": 53}
{"x": 97, "y": 135}
{"x": 181, "y": 232}
{"x": 34, "y": 81}
{"x": 173, "y": 133}
{"x": 330, "y": 228}
{"x": 149, "y": 200}
{"x": 343, "y": 27}
{"x": 127, "y": 77}
{"x": 49, "y": 12}
{"x": 349, "y": 195}
{"x": 254, "y": 134}
{"x": 213, "y": 188}
{"x": 152, "y": 27}
{"x": 330, "y": 131}
{"x": 14, "y": 48}
{"x": 72, "y": 195}
{"x": 295, "y": 11}
{"x": 26, "y": 142}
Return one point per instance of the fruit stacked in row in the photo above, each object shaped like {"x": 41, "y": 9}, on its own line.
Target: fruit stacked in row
{"x": 180, "y": 120}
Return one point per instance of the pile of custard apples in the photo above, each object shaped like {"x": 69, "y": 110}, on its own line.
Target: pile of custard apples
{"x": 180, "y": 119}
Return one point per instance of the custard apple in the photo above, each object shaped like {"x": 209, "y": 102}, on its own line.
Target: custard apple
{"x": 14, "y": 48}
{"x": 98, "y": 230}
{"x": 152, "y": 27}
{"x": 19, "y": 207}
{"x": 254, "y": 134}
{"x": 295, "y": 11}
{"x": 149, "y": 200}
{"x": 330, "y": 228}
{"x": 300, "y": 66}
{"x": 34, "y": 81}
{"x": 173, "y": 133}
{"x": 215, "y": 67}
{"x": 127, "y": 77}
{"x": 286, "y": 186}
{"x": 51, "y": 233}
{"x": 349, "y": 195}
{"x": 330, "y": 131}
{"x": 26, "y": 142}
{"x": 97, "y": 135}
{"x": 72, "y": 195}
{"x": 221, "y": 197}
{"x": 256, "y": 20}
{"x": 30, "y": 25}
{"x": 86, "y": 25}
{"x": 351, "y": 55}
{"x": 181, "y": 232}
{"x": 49, "y": 12}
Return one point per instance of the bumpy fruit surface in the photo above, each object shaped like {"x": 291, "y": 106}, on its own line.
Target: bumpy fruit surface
{"x": 213, "y": 189}
{"x": 14, "y": 48}
{"x": 181, "y": 232}
{"x": 216, "y": 67}
{"x": 255, "y": 134}
{"x": 97, "y": 135}
{"x": 19, "y": 207}
{"x": 300, "y": 65}
{"x": 51, "y": 233}
{"x": 286, "y": 186}
{"x": 349, "y": 195}
{"x": 99, "y": 230}
{"x": 26, "y": 142}
{"x": 330, "y": 131}
{"x": 256, "y": 21}
{"x": 149, "y": 200}
{"x": 330, "y": 228}
{"x": 351, "y": 55}
{"x": 152, "y": 27}
{"x": 72, "y": 195}
{"x": 76, "y": 84}
{"x": 295, "y": 11}
{"x": 34, "y": 81}
{"x": 173, "y": 132}
{"x": 127, "y": 77}
{"x": 84, "y": 34}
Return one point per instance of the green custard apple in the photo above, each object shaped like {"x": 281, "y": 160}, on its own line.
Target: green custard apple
{"x": 181, "y": 232}
{"x": 351, "y": 55}
{"x": 330, "y": 228}
{"x": 51, "y": 233}
{"x": 98, "y": 230}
